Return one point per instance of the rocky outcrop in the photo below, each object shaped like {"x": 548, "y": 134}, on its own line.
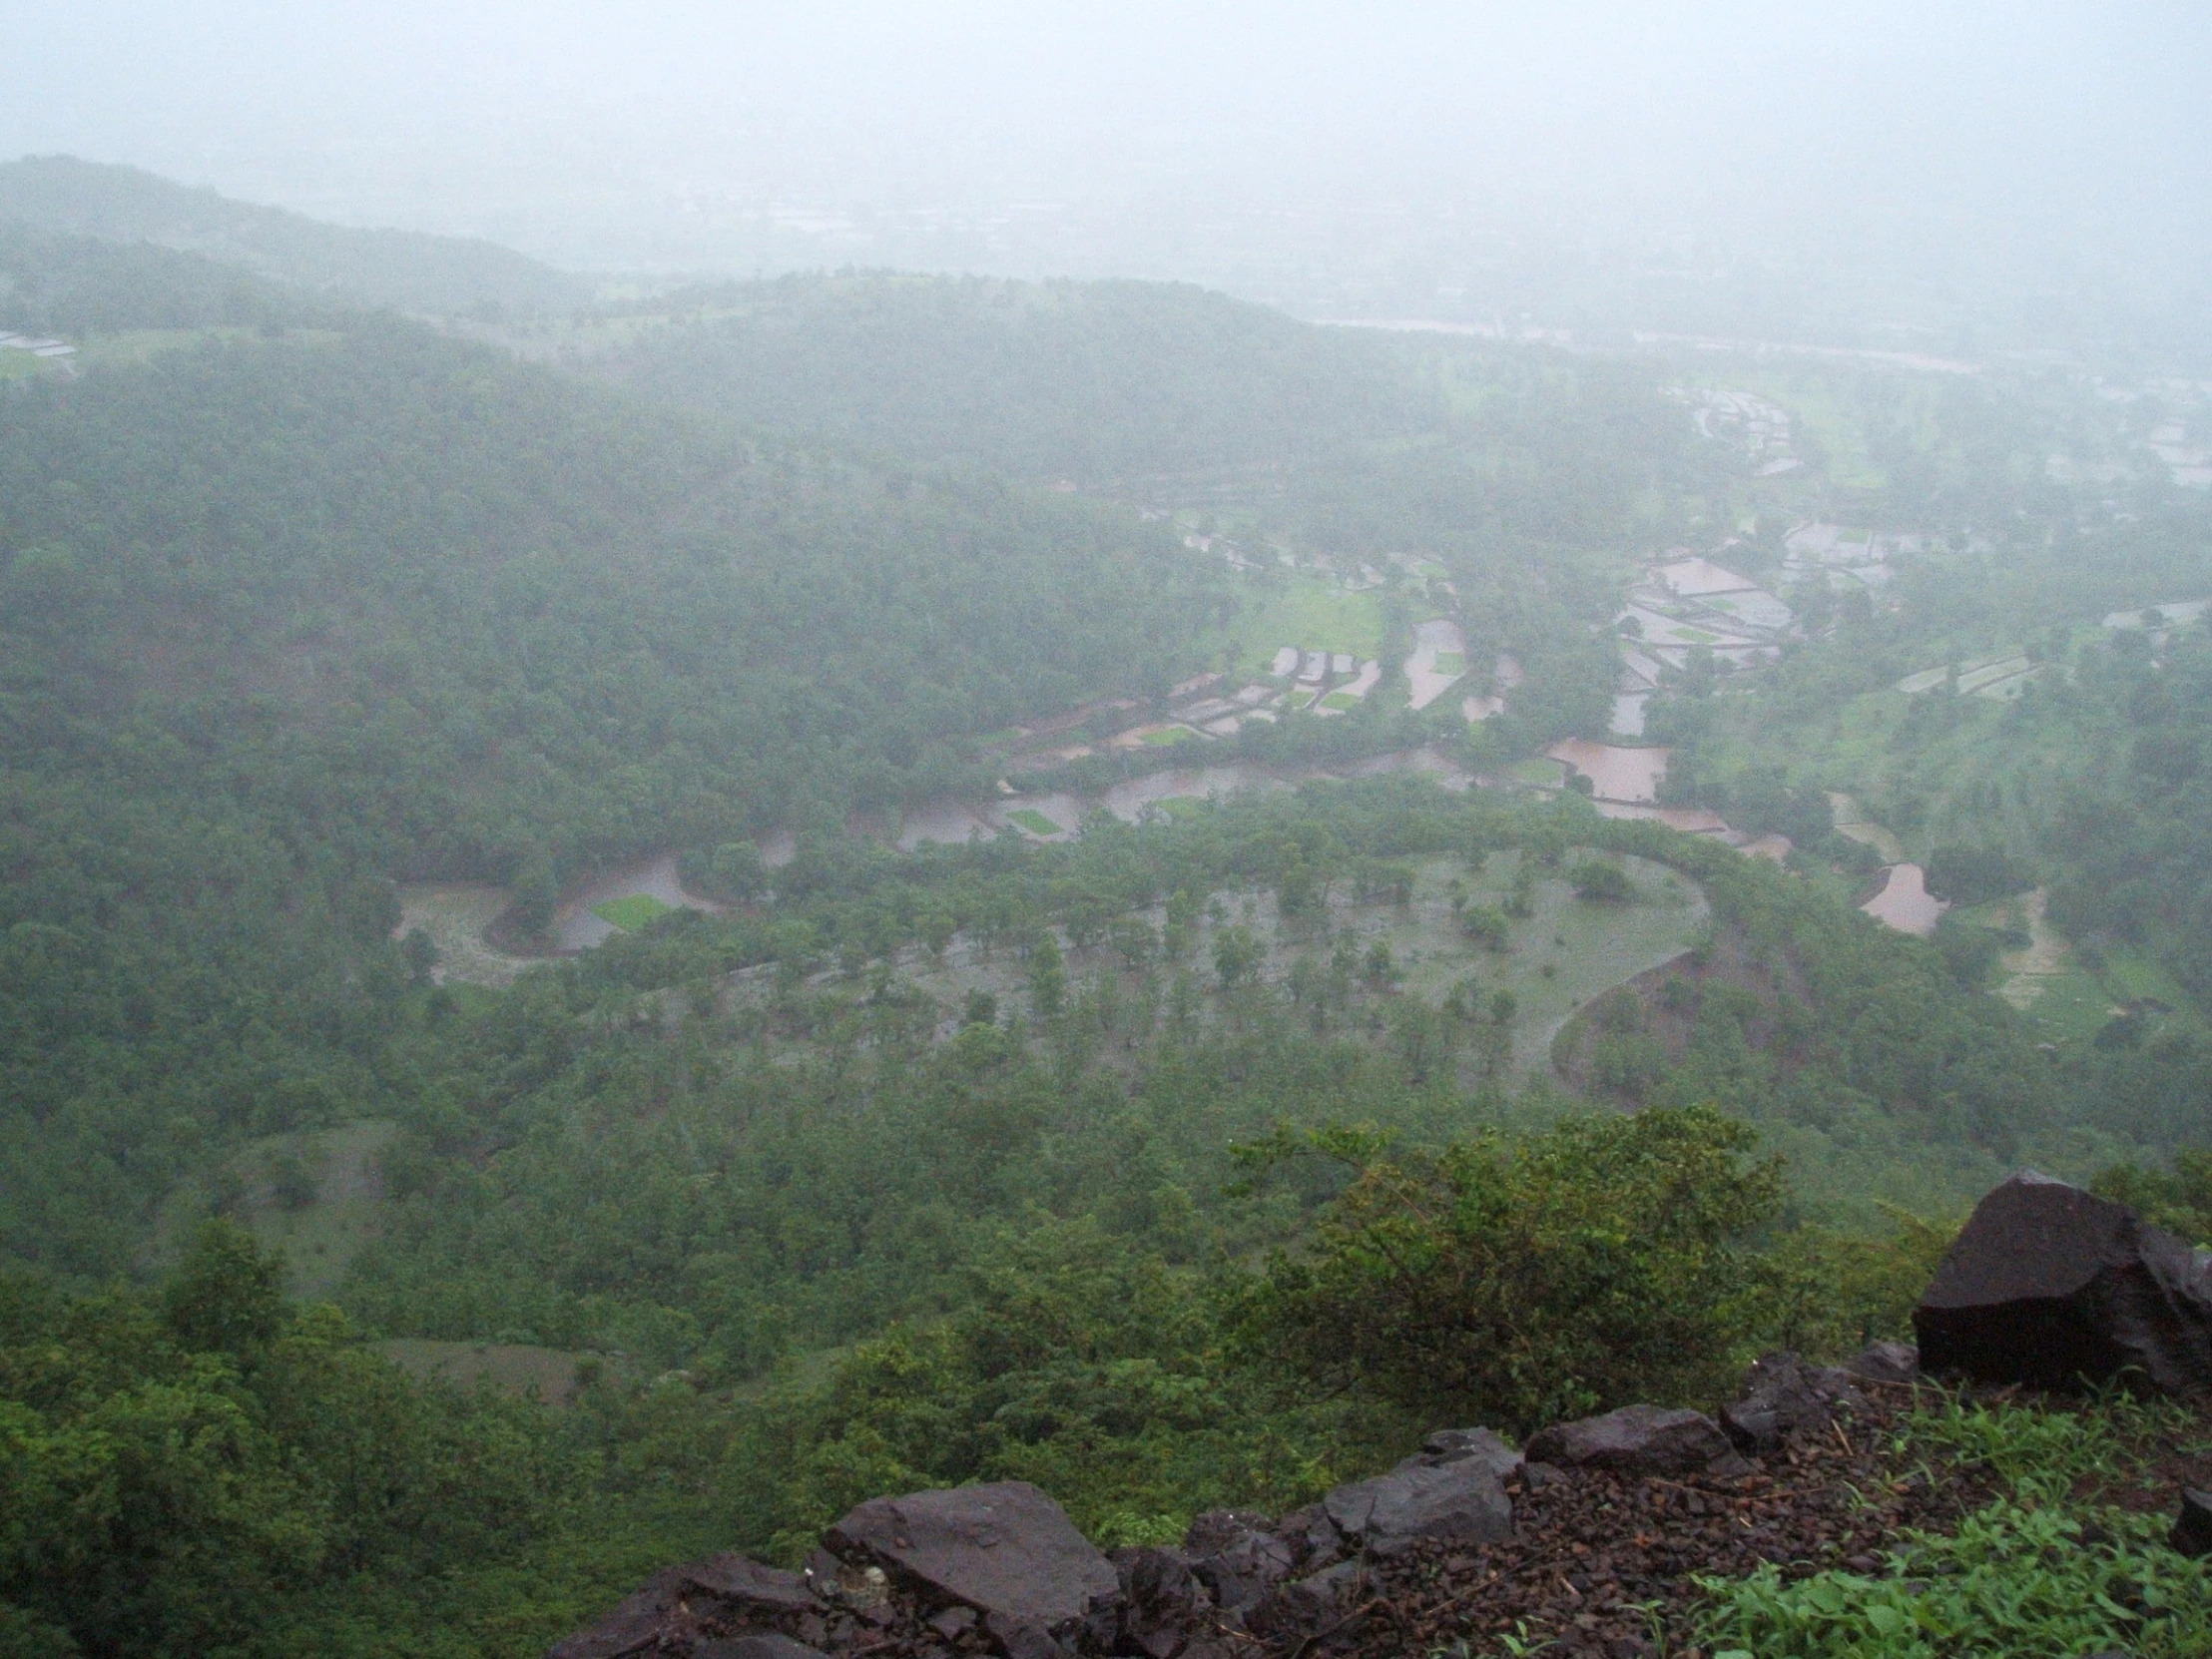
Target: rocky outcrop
{"x": 1602, "y": 1519}
{"x": 1886, "y": 1362}
{"x": 2053, "y": 1286}
{"x": 1007, "y": 1550}
{"x": 1636, "y": 1439}
{"x": 1461, "y": 1501}
{"x": 1238, "y": 1556}
{"x": 683, "y": 1602}
{"x": 1781, "y": 1395}
{"x": 1454, "y": 1446}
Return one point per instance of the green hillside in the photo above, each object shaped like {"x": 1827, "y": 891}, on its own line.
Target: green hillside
{"x": 407, "y": 270}
{"x": 1089, "y": 381}
{"x": 1228, "y": 1113}
{"x": 287, "y": 619}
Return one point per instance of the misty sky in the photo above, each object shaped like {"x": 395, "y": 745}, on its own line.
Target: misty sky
{"x": 597, "y": 132}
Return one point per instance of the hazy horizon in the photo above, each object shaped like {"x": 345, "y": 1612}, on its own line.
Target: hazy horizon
{"x": 1321, "y": 157}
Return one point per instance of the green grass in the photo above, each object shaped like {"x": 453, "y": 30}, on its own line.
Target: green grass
{"x": 314, "y": 1195}
{"x": 1029, "y": 818}
{"x": 2130, "y": 976}
{"x": 1341, "y": 699}
{"x": 2013, "y": 1580}
{"x": 2041, "y": 1571}
{"x": 1169, "y": 736}
{"x": 1540, "y": 771}
{"x": 631, "y": 912}
{"x": 1311, "y": 614}
{"x": 1451, "y": 661}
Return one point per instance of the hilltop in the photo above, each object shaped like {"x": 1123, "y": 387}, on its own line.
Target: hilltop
{"x": 407, "y": 270}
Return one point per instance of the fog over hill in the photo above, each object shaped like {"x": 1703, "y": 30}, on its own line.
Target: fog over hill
{"x": 1869, "y": 174}
{"x": 408, "y": 270}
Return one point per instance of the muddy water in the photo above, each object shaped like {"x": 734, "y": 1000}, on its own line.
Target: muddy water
{"x": 1630, "y": 774}
{"x": 1690, "y": 821}
{"x": 946, "y": 822}
{"x": 1904, "y": 902}
{"x": 576, "y": 928}
{"x": 1426, "y": 681}
{"x": 953, "y": 822}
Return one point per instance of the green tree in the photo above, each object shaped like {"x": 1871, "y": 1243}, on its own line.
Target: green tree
{"x": 1601, "y": 1262}
{"x": 1048, "y": 976}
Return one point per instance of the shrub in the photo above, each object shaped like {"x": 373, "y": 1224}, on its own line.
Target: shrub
{"x": 1592, "y": 1265}
{"x": 1600, "y": 883}
{"x": 1974, "y": 874}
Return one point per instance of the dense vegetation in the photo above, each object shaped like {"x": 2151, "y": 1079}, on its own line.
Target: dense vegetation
{"x": 286, "y": 620}
{"x": 1189, "y": 1192}
{"x": 76, "y": 285}
{"x": 2088, "y": 784}
{"x": 1092, "y": 381}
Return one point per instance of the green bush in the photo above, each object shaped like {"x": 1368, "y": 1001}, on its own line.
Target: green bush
{"x": 1602, "y": 883}
{"x": 1597, "y": 1262}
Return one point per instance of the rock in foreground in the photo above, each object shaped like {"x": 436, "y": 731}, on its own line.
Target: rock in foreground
{"x": 1462, "y": 1501}
{"x": 1636, "y": 1439}
{"x": 1004, "y": 1549}
{"x": 2050, "y": 1286}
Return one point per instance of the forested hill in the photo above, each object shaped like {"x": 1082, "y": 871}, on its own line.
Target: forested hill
{"x": 282, "y": 620}
{"x": 514, "y": 609}
{"x": 1087, "y": 381}
{"x": 78, "y": 286}
{"x": 408, "y": 270}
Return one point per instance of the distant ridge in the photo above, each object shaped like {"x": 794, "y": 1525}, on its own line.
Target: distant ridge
{"x": 408, "y": 270}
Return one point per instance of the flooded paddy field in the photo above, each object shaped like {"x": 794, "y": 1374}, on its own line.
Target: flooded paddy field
{"x": 1903, "y": 901}
{"x": 1615, "y": 772}
{"x": 602, "y": 907}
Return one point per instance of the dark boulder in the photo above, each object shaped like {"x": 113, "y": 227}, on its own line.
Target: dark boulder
{"x": 668, "y": 1610}
{"x": 1458, "y": 1445}
{"x": 1457, "y": 1502}
{"x": 2050, "y": 1285}
{"x": 1636, "y": 1439}
{"x": 633, "y": 1626}
{"x": 740, "y": 1583}
{"x": 766, "y": 1646}
{"x": 1236, "y": 1556}
{"x": 1313, "y": 1539}
{"x": 1884, "y": 1362}
{"x": 1162, "y": 1601}
{"x": 2192, "y": 1533}
{"x": 1020, "y": 1638}
{"x": 1310, "y": 1607}
{"x": 1005, "y": 1549}
{"x": 1783, "y": 1394}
